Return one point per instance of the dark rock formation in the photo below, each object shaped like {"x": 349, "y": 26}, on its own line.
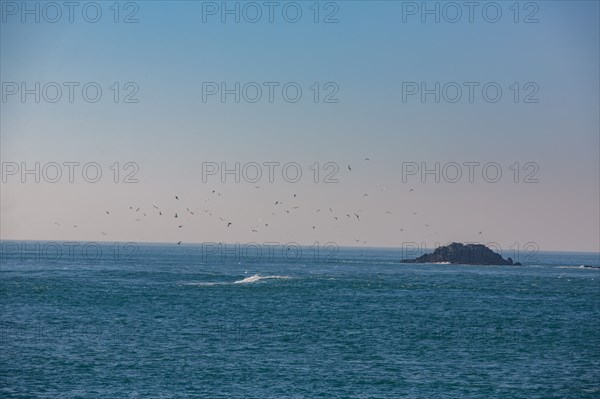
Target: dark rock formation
{"x": 470, "y": 254}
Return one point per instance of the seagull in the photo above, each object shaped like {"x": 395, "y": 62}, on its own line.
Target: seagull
{"x": 330, "y": 210}
{"x": 335, "y": 217}
{"x": 103, "y": 233}
{"x": 178, "y": 242}
{"x": 180, "y": 226}
{"x": 107, "y": 212}
{"x": 481, "y": 232}
{"x": 347, "y": 215}
{"x": 314, "y": 227}
{"x": 278, "y": 203}
{"x": 367, "y": 159}
{"x": 176, "y": 215}
{"x": 411, "y": 190}
{"x": 414, "y": 213}
{"x": 357, "y": 217}
{"x": 177, "y": 198}
{"x": 229, "y": 224}
{"x": 74, "y": 225}
{"x": 257, "y": 187}
{"x": 294, "y": 195}
{"x": 349, "y": 168}
{"x": 318, "y": 210}
{"x": 56, "y": 223}
{"x": 365, "y": 195}
{"x": 154, "y": 206}
{"x": 188, "y": 209}
{"x": 159, "y": 213}
{"x": 388, "y": 212}
{"x": 402, "y": 229}
{"x": 254, "y": 231}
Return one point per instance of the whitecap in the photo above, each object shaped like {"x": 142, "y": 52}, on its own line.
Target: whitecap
{"x": 257, "y": 277}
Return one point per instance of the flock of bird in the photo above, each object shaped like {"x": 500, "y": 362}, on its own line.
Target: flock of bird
{"x": 177, "y": 214}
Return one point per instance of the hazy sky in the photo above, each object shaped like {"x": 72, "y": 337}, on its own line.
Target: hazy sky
{"x": 366, "y": 61}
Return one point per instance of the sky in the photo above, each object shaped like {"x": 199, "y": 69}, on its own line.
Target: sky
{"x": 362, "y": 121}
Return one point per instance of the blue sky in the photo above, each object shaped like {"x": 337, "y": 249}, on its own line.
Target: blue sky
{"x": 368, "y": 54}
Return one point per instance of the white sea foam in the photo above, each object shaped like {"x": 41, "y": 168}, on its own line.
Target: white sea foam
{"x": 247, "y": 280}
{"x": 256, "y": 277}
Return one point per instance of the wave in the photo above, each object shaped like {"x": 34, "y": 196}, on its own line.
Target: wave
{"x": 257, "y": 277}
{"x": 579, "y": 267}
{"x": 248, "y": 280}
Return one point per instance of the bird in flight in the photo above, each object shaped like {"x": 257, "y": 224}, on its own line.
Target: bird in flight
{"x": 349, "y": 168}
{"x": 357, "y": 217}
{"x": 178, "y": 242}
{"x": 188, "y": 209}
{"x": 177, "y": 198}
{"x": 107, "y": 212}
{"x": 180, "y": 226}
{"x": 229, "y": 224}
{"x": 176, "y": 215}
{"x": 367, "y": 159}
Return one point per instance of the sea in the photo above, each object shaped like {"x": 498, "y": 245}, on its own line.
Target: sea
{"x": 131, "y": 320}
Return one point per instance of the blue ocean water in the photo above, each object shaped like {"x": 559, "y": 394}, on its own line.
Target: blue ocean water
{"x": 174, "y": 321}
